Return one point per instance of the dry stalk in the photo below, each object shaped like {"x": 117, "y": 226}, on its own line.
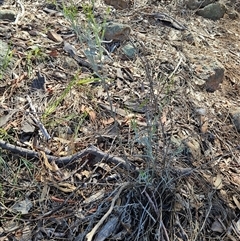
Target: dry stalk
{"x": 90, "y": 235}
{"x": 67, "y": 159}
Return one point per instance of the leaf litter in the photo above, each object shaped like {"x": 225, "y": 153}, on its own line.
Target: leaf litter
{"x": 137, "y": 151}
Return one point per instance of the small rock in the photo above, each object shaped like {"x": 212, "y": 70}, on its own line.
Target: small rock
{"x": 195, "y": 4}
{"x": 188, "y": 37}
{"x": 7, "y": 15}
{"x": 208, "y": 72}
{"x": 120, "y": 4}
{"x": 201, "y": 111}
{"x": 117, "y": 31}
{"x": 129, "y": 51}
{"x": 70, "y": 64}
{"x": 213, "y": 11}
{"x": 235, "y": 113}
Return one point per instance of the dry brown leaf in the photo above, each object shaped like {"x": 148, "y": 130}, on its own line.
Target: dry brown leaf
{"x": 54, "y": 36}
{"x": 204, "y": 127}
{"x": 238, "y": 225}
{"x": 95, "y": 196}
{"x": 54, "y": 53}
{"x": 217, "y": 182}
{"x": 164, "y": 118}
{"x": 108, "y": 121}
{"x": 79, "y": 176}
{"x": 65, "y": 187}
{"x": 86, "y": 173}
{"x": 46, "y": 162}
{"x": 89, "y": 111}
{"x": 194, "y": 148}
{"x": 104, "y": 166}
{"x": 236, "y": 179}
{"x": 235, "y": 199}
{"x": 53, "y": 166}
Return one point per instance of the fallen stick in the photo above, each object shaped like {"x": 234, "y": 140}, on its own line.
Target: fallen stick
{"x": 90, "y": 235}
{"x": 67, "y": 159}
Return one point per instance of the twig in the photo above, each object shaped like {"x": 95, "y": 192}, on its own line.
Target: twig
{"x": 176, "y": 68}
{"x": 21, "y": 13}
{"x": 165, "y": 231}
{"x": 181, "y": 228}
{"x": 207, "y": 215}
{"x": 67, "y": 159}
{"x": 36, "y": 119}
{"x": 166, "y": 18}
{"x": 151, "y": 201}
{"x": 90, "y": 235}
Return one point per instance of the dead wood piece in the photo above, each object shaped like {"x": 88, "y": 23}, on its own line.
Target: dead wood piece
{"x": 166, "y": 18}
{"x": 67, "y": 159}
{"x": 90, "y": 235}
{"x": 36, "y": 119}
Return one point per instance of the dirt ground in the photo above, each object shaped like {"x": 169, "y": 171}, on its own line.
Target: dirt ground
{"x": 118, "y": 148}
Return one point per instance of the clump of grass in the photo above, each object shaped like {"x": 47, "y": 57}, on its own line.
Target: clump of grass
{"x": 34, "y": 54}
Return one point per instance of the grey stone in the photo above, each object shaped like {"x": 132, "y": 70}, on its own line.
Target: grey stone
{"x": 129, "y": 51}
{"x": 117, "y": 31}
{"x": 70, "y": 64}
{"x": 235, "y": 113}
{"x": 208, "y": 72}
{"x": 7, "y": 15}
{"x": 213, "y": 11}
{"x": 195, "y": 4}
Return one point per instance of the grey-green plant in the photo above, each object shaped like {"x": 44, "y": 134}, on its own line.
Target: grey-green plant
{"x": 6, "y": 60}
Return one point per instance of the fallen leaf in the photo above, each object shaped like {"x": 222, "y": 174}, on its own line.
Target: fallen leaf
{"x": 54, "y": 36}
{"x": 236, "y": 201}
{"x": 86, "y": 173}
{"x": 23, "y": 206}
{"x": 89, "y": 111}
{"x": 65, "y": 187}
{"x": 108, "y": 121}
{"x": 54, "y": 53}
{"x": 218, "y": 182}
{"x": 53, "y": 168}
{"x": 236, "y": 179}
{"x": 204, "y": 127}
{"x": 238, "y": 225}
{"x": 217, "y": 227}
{"x": 104, "y": 166}
{"x": 164, "y": 118}
{"x": 94, "y": 197}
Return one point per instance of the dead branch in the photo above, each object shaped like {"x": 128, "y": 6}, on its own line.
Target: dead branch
{"x": 67, "y": 159}
{"x": 90, "y": 235}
